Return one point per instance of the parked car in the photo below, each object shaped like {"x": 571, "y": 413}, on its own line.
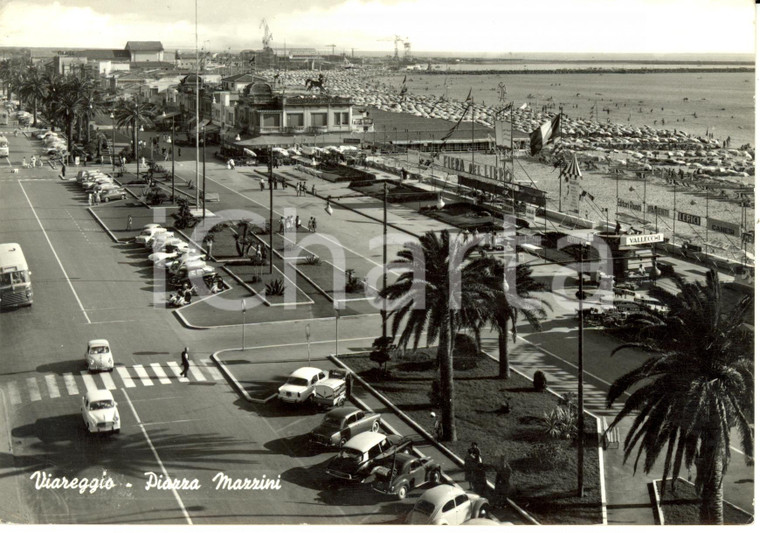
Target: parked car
{"x": 357, "y": 457}
{"x": 300, "y": 385}
{"x": 169, "y": 250}
{"x": 189, "y": 256}
{"x": 332, "y": 391}
{"x": 112, "y": 194}
{"x": 146, "y": 235}
{"x": 99, "y": 412}
{"x": 447, "y": 505}
{"x": 400, "y": 473}
{"x": 98, "y": 355}
{"x": 160, "y": 238}
{"x": 340, "y": 425}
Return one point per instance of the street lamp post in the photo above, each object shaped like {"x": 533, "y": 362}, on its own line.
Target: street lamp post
{"x": 271, "y": 209}
{"x": 385, "y": 255}
{"x": 113, "y": 143}
{"x": 204, "y": 173}
{"x": 172, "y": 148}
{"x": 137, "y": 151}
{"x": 580, "y": 372}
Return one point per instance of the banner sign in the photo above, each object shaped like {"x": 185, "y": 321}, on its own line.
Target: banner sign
{"x": 727, "y": 228}
{"x": 573, "y": 191}
{"x": 633, "y": 240}
{"x": 694, "y": 220}
{"x": 480, "y": 170}
{"x": 503, "y": 133}
{"x": 530, "y": 212}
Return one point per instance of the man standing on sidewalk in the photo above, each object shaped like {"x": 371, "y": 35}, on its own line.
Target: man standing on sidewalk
{"x": 185, "y": 362}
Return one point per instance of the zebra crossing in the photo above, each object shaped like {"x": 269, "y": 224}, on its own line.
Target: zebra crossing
{"x": 528, "y": 360}
{"x": 51, "y": 386}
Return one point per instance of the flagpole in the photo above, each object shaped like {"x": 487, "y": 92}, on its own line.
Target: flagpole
{"x": 512, "y": 150}
{"x": 560, "y": 173}
{"x": 472, "y": 114}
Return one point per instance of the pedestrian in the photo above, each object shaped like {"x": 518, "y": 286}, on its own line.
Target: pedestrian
{"x": 298, "y": 222}
{"x": 313, "y": 189}
{"x": 349, "y": 385}
{"x": 63, "y": 169}
{"x": 185, "y": 362}
{"x": 96, "y": 199}
{"x": 262, "y": 184}
{"x": 129, "y": 223}
{"x": 23, "y": 163}
{"x": 502, "y": 483}
{"x": 314, "y": 225}
{"x": 179, "y": 152}
{"x": 89, "y": 198}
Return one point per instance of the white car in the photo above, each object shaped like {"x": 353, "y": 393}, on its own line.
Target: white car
{"x": 158, "y": 240}
{"x": 447, "y": 505}
{"x": 99, "y": 412}
{"x": 98, "y": 355}
{"x": 169, "y": 250}
{"x": 146, "y": 235}
{"x": 300, "y": 385}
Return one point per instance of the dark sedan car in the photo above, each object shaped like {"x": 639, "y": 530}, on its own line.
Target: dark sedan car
{"x": 339, "y": 425}
{"x": 357, "y": 457}
{"x": 398, "y": 474}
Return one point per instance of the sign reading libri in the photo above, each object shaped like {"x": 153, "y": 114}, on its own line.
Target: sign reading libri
{"x": 633, "y": 240}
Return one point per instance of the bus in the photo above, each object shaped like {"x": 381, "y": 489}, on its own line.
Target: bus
{"x": 15, "y": 277}
{"x": 4, "y": 147}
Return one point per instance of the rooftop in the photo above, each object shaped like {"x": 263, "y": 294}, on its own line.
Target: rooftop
{"x": 144, "y": 46}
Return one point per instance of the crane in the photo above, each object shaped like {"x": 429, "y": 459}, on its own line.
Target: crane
{"x": 333, "y": 48}
{"x": 267, "y": 34}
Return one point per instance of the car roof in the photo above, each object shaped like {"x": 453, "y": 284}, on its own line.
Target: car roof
{"x": 365, "y": 441}
{"x": 305, "y": 372}
{"x": 342, "y": 412}
{"x": 98, "y": 342}
{"x": 441, "y": 492}
{"x": 98, "y": 394}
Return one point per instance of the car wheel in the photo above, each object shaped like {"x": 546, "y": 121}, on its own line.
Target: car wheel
{"x": 341, "y": 402}
{"x": 342, "y": 442}
{"x": 402, "y": 491}
{"x": 375, "y": 426}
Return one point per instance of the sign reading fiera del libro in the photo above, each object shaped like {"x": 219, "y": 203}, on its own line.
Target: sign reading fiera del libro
{"x": 632, "y": 240}
{"x": 481, "y": 170}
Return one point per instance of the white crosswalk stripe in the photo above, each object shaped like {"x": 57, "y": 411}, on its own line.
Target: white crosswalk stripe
{"x": 210, "y": 367}
{"x": 89, "y": 382}
{"x": 52, "y": 386}
{"x": 107, "y": 380}
{"x": 177, "y": 371}
{"x": 34, "y": 389}
{"x": 196, "y": 373}
{"x": 14, "y": 394}
{"x": 143, "y": 375}
{"x": 71, "y": 384}
{"x": 159, "y": 373}
{"x": 125, "y": 377}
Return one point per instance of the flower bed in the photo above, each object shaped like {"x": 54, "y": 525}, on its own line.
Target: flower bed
{"x": 544, "y": 474}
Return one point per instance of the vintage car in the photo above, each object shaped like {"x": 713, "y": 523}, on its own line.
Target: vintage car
{"x": 98, "y": 355}
{"x": 300, "y": 385}
{"x": 360, "y": 454}
{"x": 148, "y": 232}
{"x": 169, "y": 251}
{"x": 447, "y": 505}
{"x": 99, "y": 412}
{"x": 340, "y": 425}
{"x": 332, "y": 391}
{"x": 112, "y": 194}
{"x": 400, "y": 473}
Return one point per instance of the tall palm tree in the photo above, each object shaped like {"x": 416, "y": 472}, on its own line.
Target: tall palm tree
{"x": 64, "y": 104}
{"x": 33, "y": 89}
{"x": 437, "y": 269}
{"x": 130, "y": 114}
{"x": 694, "y": 391}
{"x": 11, "y": 74}
{"x": 514, "y": 286}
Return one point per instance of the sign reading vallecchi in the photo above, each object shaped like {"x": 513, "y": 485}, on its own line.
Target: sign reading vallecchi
{"x": 632, "y": 240}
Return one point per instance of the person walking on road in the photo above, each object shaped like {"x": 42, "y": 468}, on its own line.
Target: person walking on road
{"x": 129, "y": 223}
{"x": 185, "y": 362}
{"x": 89, "y": 198}
{"x": 63, "y": 169}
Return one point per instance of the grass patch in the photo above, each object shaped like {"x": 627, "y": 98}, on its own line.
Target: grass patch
{"x": 680, "y": 506}
{"x": 544, "y": 474}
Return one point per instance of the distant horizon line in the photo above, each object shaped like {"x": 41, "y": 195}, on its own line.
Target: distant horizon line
{"x": 513, "y": 56}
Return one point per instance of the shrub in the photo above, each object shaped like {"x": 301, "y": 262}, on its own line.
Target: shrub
{"x": 539, "y": 381}
{"x": 381, "y": 351}
{"x": 561, "y": 423}
{"x": 353, "y": 284}
{"x": 549, "y": 455}
{"x": 183, "y": 218}
{"x": 156, "y": 196}
{"x": 465, "y": 352}
{"x": 275, "y": 287}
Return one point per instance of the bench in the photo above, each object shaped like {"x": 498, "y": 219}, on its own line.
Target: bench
{"x": 212, "y": 196}
{"x": 610, "y": 436}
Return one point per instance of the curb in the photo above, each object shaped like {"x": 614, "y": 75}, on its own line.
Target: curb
{"x": 654, "y": 496}
{"x": 235, "y": 383}
{"x": 451, "y": 455}
{"x": 103, "y": 225}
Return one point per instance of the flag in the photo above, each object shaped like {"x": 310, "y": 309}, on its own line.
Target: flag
{"x": 252, "y": 60}
{"x": 543, "y": 135}
{"x": 403, "y": 87}
{"x": 571, "y": 170}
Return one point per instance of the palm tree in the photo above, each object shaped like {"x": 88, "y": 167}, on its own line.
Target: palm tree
{"x": 694, "y": 391}
{"x": 512, "y": 303}
{"x": 11, "y": 73}
{"x": 455, "y": 295}
{"x": 130, "y": 114}
{"x": 33, "y": 89}
{"x": 64, "y": 104}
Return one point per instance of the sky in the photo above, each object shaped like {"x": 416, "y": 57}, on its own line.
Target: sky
{"x": 493, "y": 26}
